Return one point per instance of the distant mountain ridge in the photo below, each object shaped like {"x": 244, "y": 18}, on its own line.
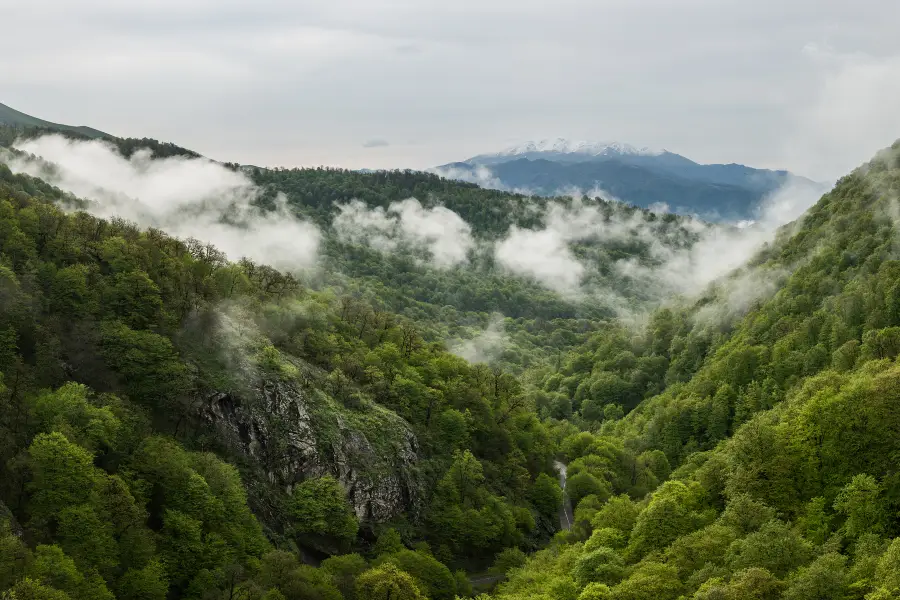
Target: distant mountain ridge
{"x": 640, "y": 176}
{"x": 14, "y": 118}
{"x": 563, "y": 150}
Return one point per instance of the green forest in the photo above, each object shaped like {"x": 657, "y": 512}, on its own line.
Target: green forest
{"x": 175, "y": 424}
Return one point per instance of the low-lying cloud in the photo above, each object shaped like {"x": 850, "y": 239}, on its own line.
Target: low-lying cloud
{"x": 485, "y": 347}
{"x": 439, "y": 231}
{"x": 720, "y": 250}
{"x": 671, "y": 264}
{"x": 543, "y": 255}
{"x": 186, "y": 197}
{"x": 477, "y": 174}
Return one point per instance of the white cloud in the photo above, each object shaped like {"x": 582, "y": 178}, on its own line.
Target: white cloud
{"x": 304, "y": 82}
{"x": 185, "y": 197}
{"x": 546, "y": 255}
{"x": 852, "y": 114}
{"x": 543, "y": 255}
{"x": 487, "y": 346}
{"x": 673, "y": 268}
{"x": 438, "y": 230}
{"x": 720, "y": 250}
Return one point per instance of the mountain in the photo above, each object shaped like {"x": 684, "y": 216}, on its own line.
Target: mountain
{"x": 772, "y": 429}
{"x": 640, "y": 176}
{"x": 13, "y": 118}
{"x": 218, "y": 421}
{"x": 562, "y": 150}
{"x": 175, "y": 424}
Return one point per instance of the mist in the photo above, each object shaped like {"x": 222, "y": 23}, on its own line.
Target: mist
{"x": 186, "y": 197}
{"x": 485, "y": 347}
{"x": 479, "y": 175}
{"x": 673, "y": 269}
{"x": 196, "y": 197}
{"x": 440, "y": 232}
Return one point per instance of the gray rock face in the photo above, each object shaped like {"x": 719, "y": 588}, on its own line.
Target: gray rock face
{"x": 291, "y": 431}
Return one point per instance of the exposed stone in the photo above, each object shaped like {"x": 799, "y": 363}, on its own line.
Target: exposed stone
{"x": 291, "y": 430}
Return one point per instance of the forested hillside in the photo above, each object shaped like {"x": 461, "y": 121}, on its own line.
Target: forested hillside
{"x": 177, "y": 423}
{"x": 453, "y": 301}
{"x": 135, "y": 365}
{"x": 460, "y": 296}
{"x": 781, "y": 432}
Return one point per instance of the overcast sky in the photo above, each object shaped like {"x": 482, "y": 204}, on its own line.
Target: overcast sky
{"x": 810, "y": 85}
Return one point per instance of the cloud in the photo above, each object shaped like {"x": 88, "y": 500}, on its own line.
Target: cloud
{"x": 439, "y": 231}
{"x": 487, "y": 346}
{"x": 298, "y": 81}
{"x": 376, "y": 143}
{"x": 680, "y": 259}
{"x": 477, "y": 174}
{"x": 547, "y": 255}
{"x": 853, "y": 111}
{"x": 720, "y": 250}
{"x": 543, "y": 255}
{"x": 185, "y": 197}
{"x": 737, "y": 293}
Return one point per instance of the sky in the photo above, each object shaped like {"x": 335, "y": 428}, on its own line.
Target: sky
{"x": 808, "y": 85}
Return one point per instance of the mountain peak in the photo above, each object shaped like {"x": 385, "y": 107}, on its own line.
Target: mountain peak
{"x": 566, "y": 146}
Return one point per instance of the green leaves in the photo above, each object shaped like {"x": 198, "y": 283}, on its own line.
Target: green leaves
{"x": 432, "y": 577}
{"x": 63, "y": 475}
{"x": 546, "y": 495}
{"x": 319, "y": 508}
{"x": 387, "y": 582}
{"x": 151, "y": 371}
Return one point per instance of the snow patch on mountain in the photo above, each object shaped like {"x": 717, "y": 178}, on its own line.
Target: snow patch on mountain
{"x": 565, "y": 146}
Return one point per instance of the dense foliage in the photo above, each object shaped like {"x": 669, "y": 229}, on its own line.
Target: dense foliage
{"x": 781, "y": 428}
{"x": 108, "y": 345}
{"x": 458, "y": 302}
{"x": 724, "y": 449}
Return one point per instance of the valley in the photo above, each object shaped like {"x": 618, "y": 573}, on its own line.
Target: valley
{"x": 239, "y": 382}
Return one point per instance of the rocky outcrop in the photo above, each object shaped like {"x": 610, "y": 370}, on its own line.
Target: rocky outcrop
{"x": 288, "y": 429}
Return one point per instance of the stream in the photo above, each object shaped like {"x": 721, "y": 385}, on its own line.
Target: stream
{"x": 565, "y": 511}
{"x": 565, "y": 522}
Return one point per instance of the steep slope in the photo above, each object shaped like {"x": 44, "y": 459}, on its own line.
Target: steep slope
{"x": 782, "y": 429}
{"x": 129, "y": 356}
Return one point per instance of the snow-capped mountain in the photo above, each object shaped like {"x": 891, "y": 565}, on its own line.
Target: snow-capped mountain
{"x": 640, "y": 176}
{"x": 564, "y": 150}
{"x": 564, "y": 146}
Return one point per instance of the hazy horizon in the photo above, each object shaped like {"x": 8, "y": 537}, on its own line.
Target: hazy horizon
{"x": 805, "y": 86}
